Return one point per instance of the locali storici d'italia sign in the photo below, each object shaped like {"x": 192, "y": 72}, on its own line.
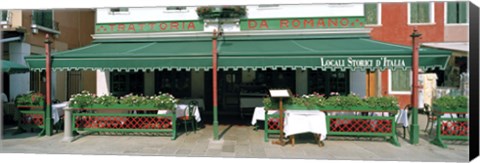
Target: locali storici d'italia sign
{"x": 382, "y": 62}
{"x": 163, "y": 26}
{"x": 302, "y": 23}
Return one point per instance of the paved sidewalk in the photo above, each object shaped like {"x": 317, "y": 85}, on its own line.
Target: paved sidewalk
{"x": 240, "y": 142}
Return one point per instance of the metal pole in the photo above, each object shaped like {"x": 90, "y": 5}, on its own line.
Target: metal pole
{"x": 214, "y": 82}
{"x": 414, "y": 129}
{"x": 48, "y": 111}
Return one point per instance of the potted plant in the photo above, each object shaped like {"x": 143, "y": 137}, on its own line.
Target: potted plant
{"x": 30, "y": 99}
{"x": 451, "y": 104}
{"x": 210, "y": 12}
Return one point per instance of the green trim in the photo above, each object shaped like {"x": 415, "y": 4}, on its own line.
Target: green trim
{"x": 142, "y": 27}
{"x": 120, "y": 107}
{"x": 302, "y": 23}
{"x": 125, "y": 130}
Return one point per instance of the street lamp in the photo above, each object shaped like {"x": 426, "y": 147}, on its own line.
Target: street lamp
{"x": 414, "y": 129}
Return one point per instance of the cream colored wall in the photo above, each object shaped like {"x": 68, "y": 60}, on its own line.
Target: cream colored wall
{"x": 88, "y": 81}
{"x": 458, "y": 33}
{"x": 16, "y": 18}
{"x": 102, "y": 82}
{"x": 198, "y": 83}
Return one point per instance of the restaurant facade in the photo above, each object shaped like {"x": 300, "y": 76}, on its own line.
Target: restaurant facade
{"x": 320, "y": 48}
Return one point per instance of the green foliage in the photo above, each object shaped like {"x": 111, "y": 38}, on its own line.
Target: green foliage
{"x": 133, "y": 100}
{"x": 345, "y": 101}
{"x": 383, "y": 102}
{"x": 225, "y": 12}
{"x": 451, "y": 102}
{"x": 315, "y": 99}
{"x": 163, "y": 100}
{"x": 106, "y": 100}
{"x": 83, "y": 99}
{"x": 29, "y": 98}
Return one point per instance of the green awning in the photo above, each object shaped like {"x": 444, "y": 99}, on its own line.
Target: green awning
{"x": 131, "y": 56}
{"x": 11, "y": 67}
{"x": 297, "y": 52}
{"x": 337, "y": 53}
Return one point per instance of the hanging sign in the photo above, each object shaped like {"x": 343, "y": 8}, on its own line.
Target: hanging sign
{"x": 302, "y": 23}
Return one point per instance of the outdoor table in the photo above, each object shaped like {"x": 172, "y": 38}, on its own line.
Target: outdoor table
{"x": 199, "y": 101}
{"x": 303, "y": 121}
{"x": 181, "y": 111}
{"x": 402, "y": 117}
{"x": 259, "y": 114}
{"x": 57, "y": 111}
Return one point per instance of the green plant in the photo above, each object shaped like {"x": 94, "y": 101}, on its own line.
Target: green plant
{"x": 83, "y": 99}
{"x": 451, "y": 102}
{"x": 222, "y": 12}
{"x": 383, "y": 102}
{"x": 106, "y": 100}
{"x": 133, "y": 100}
{"x": 315, "y": 99}
{"x": 345, "y": 101}
{"x": 30, "y": 98}
{"x": 163, "y": 100}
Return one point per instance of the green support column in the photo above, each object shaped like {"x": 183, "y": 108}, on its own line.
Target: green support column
{"x": 215, "y": 123}
{"x": 414, "y": 129}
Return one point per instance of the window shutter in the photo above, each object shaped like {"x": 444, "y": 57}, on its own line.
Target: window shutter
{"x": 4, "y": 15}
{"x": 463, "y": 12}
{"x": 371, "y": 13}
{"x": 414, "y": 12}
{"x": 452, "y": 12}
{"x": 424, "y": 12}
{"x": 48, "y": 19}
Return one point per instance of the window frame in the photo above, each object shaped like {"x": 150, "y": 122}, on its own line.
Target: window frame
{"x": 379, "y": 15}
{"x": 445, "y": 15}
{"x": 390, "y": 91}
{"x": 41, "y": 25}
{"x": 431, "y": 11}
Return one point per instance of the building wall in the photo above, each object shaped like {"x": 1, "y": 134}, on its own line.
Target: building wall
{"x": 456, "y": 33}
{"x": 76, "y": 27}
{"x": 395, "y": 29}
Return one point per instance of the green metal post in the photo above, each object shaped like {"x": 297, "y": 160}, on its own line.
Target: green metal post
{"x": 48, "y": 112}
{"x": 414, "y": 129}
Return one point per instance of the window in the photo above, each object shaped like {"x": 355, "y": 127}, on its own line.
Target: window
{"x": 457, "y": 12}
{"x": 327, "y": 81}
{"x": 123, "y": 83}
{"x": 421, "y": 12}
{"x": 43, "y": 18}
{"x": 3, "y": 15}
{"x": 373, "y": 13}
{"x": 175, "y": 8}
{"x": 400, "y": 81}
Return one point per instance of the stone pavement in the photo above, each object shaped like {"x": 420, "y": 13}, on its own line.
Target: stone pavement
{"x": 239, "y": 142}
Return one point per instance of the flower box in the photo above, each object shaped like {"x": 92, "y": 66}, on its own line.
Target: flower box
{"x": 120, "y": 107}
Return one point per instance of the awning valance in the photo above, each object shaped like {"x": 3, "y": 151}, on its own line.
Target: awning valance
{"x": 352, "y": 53}
{"x": 339, "y": 53}
{"x": 11, "y": 67}
{"x": 126, "y": 56}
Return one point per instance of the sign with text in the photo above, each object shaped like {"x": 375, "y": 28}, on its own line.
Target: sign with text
{"x": 164, "y": 26}
{"x": 302, "y": 23}
{"x": 350, "y": 62}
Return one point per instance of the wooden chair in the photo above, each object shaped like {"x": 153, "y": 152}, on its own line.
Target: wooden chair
{"x": 189, "y": 117}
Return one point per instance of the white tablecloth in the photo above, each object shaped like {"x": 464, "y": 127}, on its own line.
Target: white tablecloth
{"x": 303, "y": 121}
{"x": 180, "y": 111}
{"x": 186, "y": 101}
{"x": 402, "y": 117}
{"x": 57, "y": 111}
{"x": 259, "y": 114}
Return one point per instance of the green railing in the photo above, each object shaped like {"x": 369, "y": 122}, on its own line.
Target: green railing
{"x": 347, "y": 125}
{"x": 451, "y": 128}
{"x": 123, "y": 119}
{"x": 31, "y": 117}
